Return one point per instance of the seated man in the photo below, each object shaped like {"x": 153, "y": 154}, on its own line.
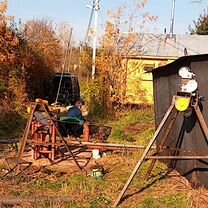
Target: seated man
{"x": 75, "y": 112}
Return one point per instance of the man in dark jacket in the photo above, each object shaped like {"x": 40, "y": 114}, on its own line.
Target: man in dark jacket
{"x": 75, "y": 112}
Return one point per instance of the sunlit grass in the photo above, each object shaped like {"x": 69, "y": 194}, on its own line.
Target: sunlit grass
{"x": 82, "y": 190}
{"x": 170, "y": 201}
{"x": 136, "y": 126}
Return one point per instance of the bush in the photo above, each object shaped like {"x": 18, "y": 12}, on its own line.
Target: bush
{"x": 93, "y": 95}
{"x": 12, "y": 124}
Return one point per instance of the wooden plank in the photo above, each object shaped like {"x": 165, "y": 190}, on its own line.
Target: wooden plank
{"x": 201, "y": 121}
{"x": 8, "y": 141}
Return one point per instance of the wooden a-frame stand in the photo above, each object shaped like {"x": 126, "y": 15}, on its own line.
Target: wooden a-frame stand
{"x": 44, "y": 108}
{"x": 195, "y": 106}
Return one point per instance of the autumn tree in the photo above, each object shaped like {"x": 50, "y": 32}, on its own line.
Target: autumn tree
{"x": 12, "y": 85}
{"x": 122, "y": 38}
{"x": 45, "y": 54}
{"x": 200, "y": 25}
{"x": 28, "y": 56}
{"x": 123, "y": 33}
{"x": 85, "y": 60}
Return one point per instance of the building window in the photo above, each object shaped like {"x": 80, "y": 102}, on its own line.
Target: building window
{"x": 148, "y": 67}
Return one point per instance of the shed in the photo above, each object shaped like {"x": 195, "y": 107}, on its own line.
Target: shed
{"x": 186, "y": 132}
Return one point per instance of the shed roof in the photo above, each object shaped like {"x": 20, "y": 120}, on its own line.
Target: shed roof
{"x": 149, "y": 44}
{"x": 184, "y": 60}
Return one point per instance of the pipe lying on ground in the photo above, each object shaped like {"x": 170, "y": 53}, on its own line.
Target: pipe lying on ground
{"x": 107, "y": 145}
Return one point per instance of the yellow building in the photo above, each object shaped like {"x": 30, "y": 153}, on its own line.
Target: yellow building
{"x": 139, "y": 84}
{"x": 155, "y": 51}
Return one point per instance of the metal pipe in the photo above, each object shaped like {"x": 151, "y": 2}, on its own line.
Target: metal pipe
{"x": 202, "y": 157}
{"x": 110, "y": 145}
{"x": 172, "y": 18}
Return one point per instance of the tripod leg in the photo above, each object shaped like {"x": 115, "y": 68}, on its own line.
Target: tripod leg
{"x": 139, "y": 163}
{"x": 201, "y": 121}
{"x": 26, "y": 132}
{"x": 164, "y": 139}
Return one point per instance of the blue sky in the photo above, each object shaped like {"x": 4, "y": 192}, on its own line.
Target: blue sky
{"x": 77, "y": 15}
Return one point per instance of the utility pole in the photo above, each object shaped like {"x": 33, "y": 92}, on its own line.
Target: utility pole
{"x": 96, "y": 8}
{"x": 172, "y": 18}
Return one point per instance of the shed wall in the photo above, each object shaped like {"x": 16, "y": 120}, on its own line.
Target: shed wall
{"x": 186, "y": 132}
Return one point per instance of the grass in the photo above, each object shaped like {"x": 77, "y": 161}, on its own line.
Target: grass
{"x": 12, "y": 125}
{"x": 82, "y": 190}
{"x": 47, "y": 184}
{"x": 135, "y": 126}
{"x": 88, "y": 192}
{"x": 170, "y": 201}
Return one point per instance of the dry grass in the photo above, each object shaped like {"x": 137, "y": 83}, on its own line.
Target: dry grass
{"x": 81, "y": 190}
{"x": 62, "y": 185}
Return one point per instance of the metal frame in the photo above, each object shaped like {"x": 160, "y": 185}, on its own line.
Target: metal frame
{"x": 163, "y": 141}
{"x": 18, "y": 166}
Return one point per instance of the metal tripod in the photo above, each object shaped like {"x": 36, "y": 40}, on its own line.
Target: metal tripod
{"x": 195, "y": 106}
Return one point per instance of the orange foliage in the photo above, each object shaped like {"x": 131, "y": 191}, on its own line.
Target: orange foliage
{"x": 26, "y": 60}
{"x": 41, "y": 37}
{"x": 116, "y": 46}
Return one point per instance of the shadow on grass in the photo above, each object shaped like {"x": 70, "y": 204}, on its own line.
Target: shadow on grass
{"x": 161, "y": 176}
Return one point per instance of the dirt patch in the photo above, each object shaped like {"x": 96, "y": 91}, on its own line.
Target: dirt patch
{"x": 137, "y": 128}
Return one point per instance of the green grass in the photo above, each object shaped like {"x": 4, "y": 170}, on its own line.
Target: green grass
{"x": 133, "y": 126}
{"x": 12, "y": 125}
{"x": 170, "y": 201}
{"x": 88, "y": 192}
{"x": 47, "y": 184}
{"x": 51, "y": 204}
